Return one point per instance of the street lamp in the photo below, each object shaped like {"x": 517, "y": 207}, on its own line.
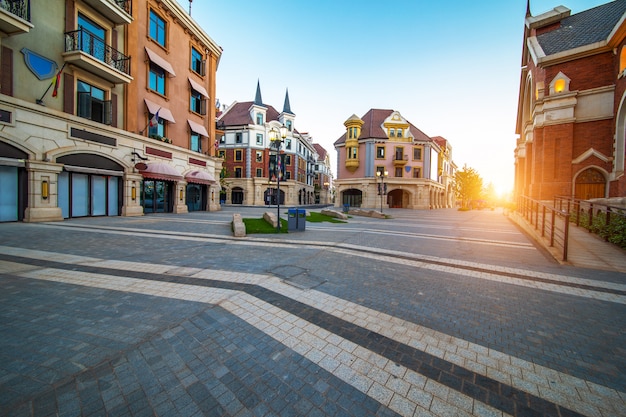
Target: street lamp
{"x": 277, "y": 137}
{"x": 382, "y": 188}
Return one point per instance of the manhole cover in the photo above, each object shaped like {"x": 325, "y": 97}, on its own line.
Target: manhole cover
{"x": 297, "y": 276}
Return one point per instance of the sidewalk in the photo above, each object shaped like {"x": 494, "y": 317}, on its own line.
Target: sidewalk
{"x": 585, "y": 250}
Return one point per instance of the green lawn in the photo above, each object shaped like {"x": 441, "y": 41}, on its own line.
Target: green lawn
{"x": 254, "y": 226}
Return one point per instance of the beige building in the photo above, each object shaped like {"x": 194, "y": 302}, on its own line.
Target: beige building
{"x": 74, "y": 90}
{"x": 385, "y": 161}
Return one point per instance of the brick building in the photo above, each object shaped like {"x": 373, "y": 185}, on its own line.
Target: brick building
{"x": 571, "y": 113}
{"x": 248, "y": 177}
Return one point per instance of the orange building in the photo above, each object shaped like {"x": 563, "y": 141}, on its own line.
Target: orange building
{"x": 571, "y": 118}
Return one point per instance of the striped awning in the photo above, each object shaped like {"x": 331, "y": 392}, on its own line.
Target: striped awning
{"x": 161, "y": 171}
{"x": 200, "y": 177}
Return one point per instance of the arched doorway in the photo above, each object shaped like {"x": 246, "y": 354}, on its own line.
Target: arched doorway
{"x": 590, "y": 184}
{"x": 398, "y": 199}
{"x": 236, "y": 196}
{"x": 270, "y": 196}
{"x": 352, "y": 197}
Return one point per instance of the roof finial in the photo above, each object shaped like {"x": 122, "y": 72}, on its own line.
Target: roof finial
{"x": 257, "y": 99}
{"x": 287, "y": 106}
{"x": 528, "y": 8}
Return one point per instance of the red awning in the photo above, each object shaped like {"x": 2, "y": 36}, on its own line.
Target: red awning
{"x": 200, "y": 177}
{"x": 161, "y": 171}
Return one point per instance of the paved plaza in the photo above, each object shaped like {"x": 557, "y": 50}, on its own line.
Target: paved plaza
{"x": 427, "y": 313}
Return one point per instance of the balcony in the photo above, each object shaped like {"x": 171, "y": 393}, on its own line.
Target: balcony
{"x": 352, "y": 164}
{"x": 117, "y": 11}
{"x": 15, "y": 17}
{"x": 92, "y": 54}
{"x": 400, "y": 160}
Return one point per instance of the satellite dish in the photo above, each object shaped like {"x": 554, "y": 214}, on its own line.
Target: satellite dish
{"x": 141, "y": 166}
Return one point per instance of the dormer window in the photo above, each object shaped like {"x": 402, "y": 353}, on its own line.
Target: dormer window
{"x": 289, "y": 125}
{"x": 392, "y": 132}
{"x": 399, "y": 133}
{"x": 259, "y": 118}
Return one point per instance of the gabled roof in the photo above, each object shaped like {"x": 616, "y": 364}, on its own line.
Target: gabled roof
{"x": 239, "y": 114}
{"x": 320, "y": 151}
{"x": 584, "y": 28}
{"x": 372, "y": 127}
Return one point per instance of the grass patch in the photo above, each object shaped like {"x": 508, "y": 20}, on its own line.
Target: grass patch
{"x": 315, "y": 217}
{"x": 261, "y": 226}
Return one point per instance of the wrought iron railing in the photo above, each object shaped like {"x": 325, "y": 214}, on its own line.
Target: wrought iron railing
{"x": 20, "y": 8}
{"x": 607, "y": 221}
{"x": 85, "y": 41}
{"x": 552, "y": 223}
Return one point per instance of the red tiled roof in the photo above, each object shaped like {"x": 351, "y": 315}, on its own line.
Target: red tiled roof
{"x": 372, "y": 127}
{"x": 239, "y": 114}
{"x": 320, "y": 151}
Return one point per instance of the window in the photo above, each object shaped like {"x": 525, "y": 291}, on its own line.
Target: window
{"x": 222, "y": 154}
{"x": 417, "y": 172}
{"x": 197, "y": 63}
{"x": 259, "y": 118}
{"x": 399, "y": 133}
{"x": 222, "y": 139}
{"x": 287, "y": 159}
{"x": 238, "y": 155}
{"x": 238, "y": 172}
{"x": 289, "y": 125}
{"x": 157, "y": 129}
{"x": 92, "y": 38}
{"x": 381, "y": 170}
{"x": 352, "y": 153}
{"x": 259, "y": 138}
{"x": 157, "y": 28}
{"x": 259, "y": 156}
{"x": 237, "y": 137}
{"x": 417, "y": 154}
{"x": 91, "y": 104}
{"x": 392, "y": 132}
{"x": 197, "y": 103}
{"x": 157, "y": 79}
{"x": 353, "y": 133}
{"x": 399, "y": 153}
{"x": 195, "y": 143}
{"x": 380, "y": 152}
{"x": 287, "y": 175}
{"x": 259, "y": 172}
{"x": 287, "y": 143}
{"x": 398, "y": 172}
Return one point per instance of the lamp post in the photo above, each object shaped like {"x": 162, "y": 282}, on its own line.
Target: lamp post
{"x": 277, "y": 137}
{"x": 381, "y": 187}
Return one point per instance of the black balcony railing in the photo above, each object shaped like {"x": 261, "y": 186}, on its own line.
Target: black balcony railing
{"x": 125, "y": 4}
{"x": 20, "y": 8}
{"x": 85, "y": 41}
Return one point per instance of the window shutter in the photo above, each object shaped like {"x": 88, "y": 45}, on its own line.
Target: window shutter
{"x": 113, "y": 110}
{"x": 68, "y": 93}
{"x": 6, "y": 73}
{"x": 203, "y": 107}
{"x": 203, "y": 68}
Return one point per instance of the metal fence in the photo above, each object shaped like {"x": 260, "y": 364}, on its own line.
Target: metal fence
{"x": 550, "y": 222}
{"x": 20, "y": 8}
{"x": 609, "y": 222}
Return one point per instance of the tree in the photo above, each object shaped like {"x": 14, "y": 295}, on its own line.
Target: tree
{"x": 468, "y": 185}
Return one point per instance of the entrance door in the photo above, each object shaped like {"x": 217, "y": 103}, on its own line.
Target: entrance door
{"x": 195, "y": 194}
{"x": 590, "y": 184}
{"x": 8, "y": 194}
{"x": 237, "y": 196}
{"x": 157, "y": 196}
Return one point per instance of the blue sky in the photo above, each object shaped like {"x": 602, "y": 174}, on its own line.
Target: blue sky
{"x": 451, "y": 68}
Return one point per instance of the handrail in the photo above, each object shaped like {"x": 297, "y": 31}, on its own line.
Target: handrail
{"x": 85, "y": 41}
{"x": 553, "y": 222}
{"x": 591, "y": 215}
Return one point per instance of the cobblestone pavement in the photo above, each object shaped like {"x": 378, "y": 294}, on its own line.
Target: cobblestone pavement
{"x": 429, "y": 313}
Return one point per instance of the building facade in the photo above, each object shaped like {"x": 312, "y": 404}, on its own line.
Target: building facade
{"x": 74, "y": 140}
{"x": 572, "y": 108}
{"x": 385, "y": 161}
{"x": 248, "y": 176}
{"x": 323, "y": 177}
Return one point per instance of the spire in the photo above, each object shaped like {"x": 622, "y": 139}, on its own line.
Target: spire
{"x": 528, "y": 8}
{"x": 258, "y": 100}
{"x": 287, "y": 106}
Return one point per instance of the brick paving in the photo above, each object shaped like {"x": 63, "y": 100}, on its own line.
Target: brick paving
{"x": 429, "y": 313}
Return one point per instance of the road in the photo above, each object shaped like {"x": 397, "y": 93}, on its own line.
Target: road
{"x": 434, "y": 312}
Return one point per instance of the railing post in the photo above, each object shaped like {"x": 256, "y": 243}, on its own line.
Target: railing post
{"x": 590, "y": 216}
{"x": 552, "y": 228}
{"x": 543, "y": 221}
{"x": 565, "y": 236}
{"x": 607, "y": 223}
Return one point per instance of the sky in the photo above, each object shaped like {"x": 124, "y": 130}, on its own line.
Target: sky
{"x": 451, "y": 68}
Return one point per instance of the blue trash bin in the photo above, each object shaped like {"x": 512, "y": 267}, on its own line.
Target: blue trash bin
{"x": 346, "y": 208}
{"x": 301, "y": 223}
{"x": 292, "y": 219}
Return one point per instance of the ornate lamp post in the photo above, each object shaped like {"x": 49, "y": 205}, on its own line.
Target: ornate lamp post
{"x": 382, "y": 189}
{"x": 277, "y": 137}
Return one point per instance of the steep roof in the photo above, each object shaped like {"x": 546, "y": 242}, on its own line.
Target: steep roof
{"x": 239, "y": 114}
{"x": 584, "y": 28}
{"x": 320, "y": 151}
{"x": 372, "y": 127}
